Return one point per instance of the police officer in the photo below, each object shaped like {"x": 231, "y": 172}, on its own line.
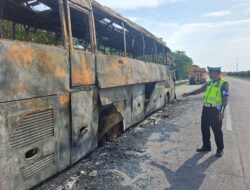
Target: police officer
{"x": 215, "y": 101}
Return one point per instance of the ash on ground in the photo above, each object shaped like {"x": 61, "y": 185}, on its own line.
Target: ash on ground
{"x": 121, "y": 164}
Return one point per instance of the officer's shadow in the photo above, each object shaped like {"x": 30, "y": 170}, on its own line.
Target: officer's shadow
{"x": 190, "y": 175}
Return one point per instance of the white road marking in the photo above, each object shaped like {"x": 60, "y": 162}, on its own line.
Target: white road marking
{"x": 229, "y": 120}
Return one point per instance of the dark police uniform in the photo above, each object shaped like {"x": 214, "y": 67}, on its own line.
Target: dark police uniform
{"x": 215, "y": 101}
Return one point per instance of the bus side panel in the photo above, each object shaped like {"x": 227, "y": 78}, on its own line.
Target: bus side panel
{"x": 114, "y": 71}
{"x": 34, "y": 141}
{"x": 128, "y": 100}
{"x": 157, "y": 98}
{"x": 138, "y": 103}
{"x": 84, "y": 123}
{"x": 121, "y": 97}
{"x": 30, "y": 70}
{"x": 170, "y": 85}
{"x": 82, "y": 68}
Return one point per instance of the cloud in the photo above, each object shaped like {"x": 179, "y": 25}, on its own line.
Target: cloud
{"x": 135, "y": 4}
{"x": 218, "y": 13}
{"x": 223, "y": 53}
{"x": 214, "y": 43}
{"x": 211, "y": 29}
{"x": 247, "y": 11}
{"x": 209, "y": 43}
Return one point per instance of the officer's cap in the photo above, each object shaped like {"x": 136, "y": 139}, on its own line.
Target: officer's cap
{"x": 214, "y": 69}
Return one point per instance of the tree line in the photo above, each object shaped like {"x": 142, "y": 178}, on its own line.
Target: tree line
{"x": 182, "y": 64}
{"x": 243, "y": 74}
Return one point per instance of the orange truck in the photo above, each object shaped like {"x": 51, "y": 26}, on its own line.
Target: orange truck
{"x": 197, "y": 75}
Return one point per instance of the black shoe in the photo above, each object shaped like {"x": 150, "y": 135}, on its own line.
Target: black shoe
{"x": 204, "y": 149}
{"x": 219, "y": 153}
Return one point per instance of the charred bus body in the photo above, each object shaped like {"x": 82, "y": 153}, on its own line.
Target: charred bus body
{"x": 70, "y": 71}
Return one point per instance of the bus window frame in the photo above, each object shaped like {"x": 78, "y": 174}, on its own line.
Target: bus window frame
{"x": 88, "y": 13}
{"x": 62, "y": 26}
{"x": 122, "y": 24}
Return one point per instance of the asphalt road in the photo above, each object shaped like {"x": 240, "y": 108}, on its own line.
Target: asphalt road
{"x": 240, "y": 117}
{"x": 232, "y": 171}
{"x": 159, "y": 154}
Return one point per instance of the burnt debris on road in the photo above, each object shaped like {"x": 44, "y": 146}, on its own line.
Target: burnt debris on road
{"x": 160, "y": 154}
{"x": 121, "y": 164}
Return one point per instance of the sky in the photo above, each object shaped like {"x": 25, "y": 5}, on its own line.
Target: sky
{"x": 211, "y": 32}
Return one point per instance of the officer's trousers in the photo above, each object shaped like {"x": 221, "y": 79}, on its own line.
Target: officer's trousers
{"x": 210, "y": 119}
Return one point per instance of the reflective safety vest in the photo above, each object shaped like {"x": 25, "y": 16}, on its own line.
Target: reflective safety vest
{"x": 213, "y": 94}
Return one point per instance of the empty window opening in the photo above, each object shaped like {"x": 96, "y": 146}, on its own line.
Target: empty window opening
{"x": 109, "y": 33}
{"x": 160, "y": 55}
{"x": 118, "y": 36}
{"x": 134, "y": 43}
{"x": 36, "y": 21}
{"x": 149, "y": 50}
{"x": 80, "y": 30}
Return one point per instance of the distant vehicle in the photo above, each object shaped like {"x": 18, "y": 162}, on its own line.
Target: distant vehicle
{"x": 197, "y": 75}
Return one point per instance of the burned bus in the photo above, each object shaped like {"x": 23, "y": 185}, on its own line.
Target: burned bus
{"x": 71, "y": 71}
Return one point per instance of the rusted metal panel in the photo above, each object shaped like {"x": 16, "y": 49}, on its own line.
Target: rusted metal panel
{"x": 34, "y": 141}
{"x": 138, "y": 103}
{"x": 169, "y": 79}
{"x": 82, "y": 3}
{"x": 128, "y": 100}
{"x": 170, "y": 85}
{"x": 82, "y": 68}
{"x": 30, "y": 70}
{"x": 112, "y": 95}
{"x": 124, "y": 107}
{"x": 121, "y": 97}
{"x": 114, "y": 71}
{"x": 157, "y": 98}
{"x": 84, "y": 123}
